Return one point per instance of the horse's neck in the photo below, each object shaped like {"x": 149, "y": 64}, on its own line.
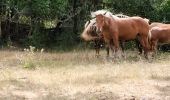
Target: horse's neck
{"x": 107, "y": 21}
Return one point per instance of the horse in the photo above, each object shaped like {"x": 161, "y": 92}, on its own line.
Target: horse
{"x": 160, "y": 34}
{"x": 115, "y": 29}
{"x": 90, "y": 34}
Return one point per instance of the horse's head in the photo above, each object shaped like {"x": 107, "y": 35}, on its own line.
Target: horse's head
{"x": 89, "y": 32}
{"x": 100, "y": 22}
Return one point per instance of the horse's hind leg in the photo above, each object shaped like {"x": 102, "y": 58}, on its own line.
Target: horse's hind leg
{"x": 116, "y": 46}
{"x": 154, "y": 46}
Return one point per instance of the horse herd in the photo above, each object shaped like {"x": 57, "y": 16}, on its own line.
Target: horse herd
{"x": 115, "y": 29}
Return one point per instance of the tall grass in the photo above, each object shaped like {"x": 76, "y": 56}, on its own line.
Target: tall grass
{"x": 80, "y": 75}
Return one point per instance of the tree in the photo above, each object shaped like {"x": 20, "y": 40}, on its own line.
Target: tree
{"x": 70, "y": 15}
{"x": 165, "y": 10}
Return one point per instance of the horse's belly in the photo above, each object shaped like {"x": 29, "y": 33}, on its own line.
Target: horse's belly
{"x": 127, "y": 36}
{"x": 164, "y": 37}
{"x": 164, "y": 41}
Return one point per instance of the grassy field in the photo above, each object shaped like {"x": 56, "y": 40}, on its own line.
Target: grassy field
{"x": 79, "y": 75}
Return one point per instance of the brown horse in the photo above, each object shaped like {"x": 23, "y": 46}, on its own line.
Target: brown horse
{"x": 115, "y": 29}
{"x": 90, "y": 34}
{"x": 160, "y": 34}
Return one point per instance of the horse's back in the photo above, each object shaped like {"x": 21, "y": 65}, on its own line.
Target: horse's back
{"x": 130, "y": 27}
{"x": 154, "y": 24}
{"x": 140, "y": 20}
{"x": 157, "y": 24}
{"x": 137, "y": 23}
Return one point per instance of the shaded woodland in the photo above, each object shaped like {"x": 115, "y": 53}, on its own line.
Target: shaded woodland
{"x": 57, "y": 24}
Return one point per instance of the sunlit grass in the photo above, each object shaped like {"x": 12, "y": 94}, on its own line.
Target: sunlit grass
{"x": 80, "y": 75}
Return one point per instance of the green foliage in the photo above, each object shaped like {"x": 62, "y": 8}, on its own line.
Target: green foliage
{"x": 28, "y": 60}
{"x": 58, "y": 8}
{"x": 165, "y": 10}
{"x": 29, "y": 65}
{"x": 107, "y": 1}
{"x": 40, "y": 8}
{"x": 38, "y": 14}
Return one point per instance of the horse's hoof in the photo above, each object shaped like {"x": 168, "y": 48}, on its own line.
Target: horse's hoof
{"x": 140, "y": 53}
{"x": 97, "y": 56}
{"x": 146, "y": 57}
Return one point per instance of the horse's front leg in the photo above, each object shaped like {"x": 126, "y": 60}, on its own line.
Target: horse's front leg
{"x": 97, "y": 52}
{"x": 145, "y": 44}
{"x": 97, "y": 48}
{"x": 122, "y": 44}
{"x": 139, "y": 47}
{"x": 116, "y": 43}
{"x": 107, "y": 50}
{"x": 155, "y": 47}
{"x": 111, "y": 46}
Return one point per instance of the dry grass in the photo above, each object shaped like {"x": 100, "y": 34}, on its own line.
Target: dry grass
{"x": 79, "y": 75}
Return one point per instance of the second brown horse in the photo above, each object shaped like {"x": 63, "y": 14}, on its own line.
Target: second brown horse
{"x": 160, "y": 34}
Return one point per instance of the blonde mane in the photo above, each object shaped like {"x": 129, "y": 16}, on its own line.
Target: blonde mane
{"x": 90, "y": 22}
{"x": 103, "y": 12}
{"x": 122, "y": 16}
{"x": 147, "y": 20}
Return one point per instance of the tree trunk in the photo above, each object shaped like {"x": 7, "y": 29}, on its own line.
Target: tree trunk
{"x": 31, "y": 26}
{"x": 0, "y": 29}
{"x": 75, "y": 17}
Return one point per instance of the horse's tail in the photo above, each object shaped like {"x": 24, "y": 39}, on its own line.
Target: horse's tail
{"x": 149, "y": 38}
{"x": 149, "y": 35}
